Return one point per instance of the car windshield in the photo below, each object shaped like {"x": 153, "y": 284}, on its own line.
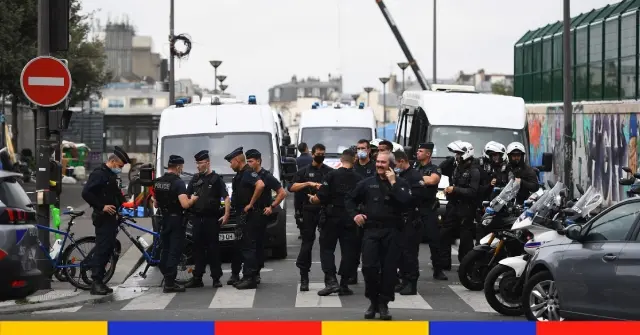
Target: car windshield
{"x": 335, "y": 139}
{"x": 441, "y": 136}
{"x": 219, "y": 145}
{"x": 13, "y": 195}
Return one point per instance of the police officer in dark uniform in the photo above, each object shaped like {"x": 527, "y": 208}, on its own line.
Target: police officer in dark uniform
{"x": 365, "y": 167}
{"x": 385, "y": 198}
{"x": 172, "y": 199}
{"x": 308, "y": 180}
{"x": 102, "y": 193}
{"x": 299, "y": 198}
{"x": 521, "y": 171}
{"x": 247, "y": 187}
{"x": 206, "y": 219}
{"x": 338, "y": 226}
{"x": 264, "y": 210}
{"x": 462, "y": 198}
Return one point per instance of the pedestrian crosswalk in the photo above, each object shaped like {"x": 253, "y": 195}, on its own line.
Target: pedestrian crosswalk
{"x": 431, "y": 296}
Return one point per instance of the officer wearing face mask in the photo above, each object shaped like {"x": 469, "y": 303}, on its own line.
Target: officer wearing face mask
{"x": 521, "y": 171}
{"x": 308, "y": 180}
{"x": 366, "y": 167}
{"x": 102, "y": 193}
{"x": 172, "y": 200}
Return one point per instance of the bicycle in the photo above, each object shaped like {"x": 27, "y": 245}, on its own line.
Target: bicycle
{"x": 65, "y": 266}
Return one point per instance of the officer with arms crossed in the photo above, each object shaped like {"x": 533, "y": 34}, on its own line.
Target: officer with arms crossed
{"x": 308, "y": 180}
{"x": 102, "y": 193}
{"x": 266, "y": 204}
{"x": 462, "y": 198}
{"x": 385, "y": 197}
{"x": 247, "y": 187}
{"x": 172, "y": 199}
{"x": 338, "y": 226}
{"x": 206, "y": 219}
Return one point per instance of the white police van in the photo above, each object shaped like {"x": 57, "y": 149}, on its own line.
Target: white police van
{"x": 220, "y": 128}
{"x": 338, "y": 128}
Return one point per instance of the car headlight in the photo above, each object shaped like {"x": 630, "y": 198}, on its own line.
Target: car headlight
{"x": 440, "y": 195}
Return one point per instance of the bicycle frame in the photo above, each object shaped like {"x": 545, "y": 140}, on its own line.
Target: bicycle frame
{"x": 67, "y": 236}
{"x": 156, "y": 240}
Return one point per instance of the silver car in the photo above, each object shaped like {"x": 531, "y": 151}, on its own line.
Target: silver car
{"x": 590, "y": 273}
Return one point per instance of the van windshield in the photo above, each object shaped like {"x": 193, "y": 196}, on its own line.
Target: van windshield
{"x": 335, "y": 139}
{"x": 219, "y": 145}
{"x": 441, "y": 136}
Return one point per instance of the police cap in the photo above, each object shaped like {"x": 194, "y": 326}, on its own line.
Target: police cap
{"x": 176, "y": 160}
{"x": 253, "y": 153}
{"x": 233, "y": 154}
{"x": 201, "y": 155}
{"x": 121, "y": 154}
{"x": 428, "y": 146}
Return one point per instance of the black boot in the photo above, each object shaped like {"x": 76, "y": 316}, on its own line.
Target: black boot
{"x": 304, "y": 282}
{"x": 234, "y": 279}
{"x": 344, "y": 288}
{"x": 246, "y": 283}
{"x": 411, "y": 288}
{"x": 370, "y": 313}
{"x": 196, "y": 282}
{"x": 401, "y": 285}
{"x": 170, "y": 286}
{"x": 98, "y": 288}
{"x": 331, "y": 286}
{"x": 216, "y": 283}
{"x": 383, "y": 309}
{"x": 438, "y": 274}
{"x": 354, "y": 279}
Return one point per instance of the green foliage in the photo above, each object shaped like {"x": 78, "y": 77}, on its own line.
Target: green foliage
{"x": 501, "y": 88}
{"x": 18, "y": 44}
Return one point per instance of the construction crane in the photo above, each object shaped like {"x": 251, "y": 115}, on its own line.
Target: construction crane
{"x": 412, "y": 62}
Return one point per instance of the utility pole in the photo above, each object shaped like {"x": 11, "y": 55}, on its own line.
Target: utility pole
{"x": 172, "y": 64}
{"x": 568, "y": 106}
{"x": 43, "y": 152}
{"x": 434, "y": 42}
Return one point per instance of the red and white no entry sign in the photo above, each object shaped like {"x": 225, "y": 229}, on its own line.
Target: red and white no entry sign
{"x": 45, "y": 81}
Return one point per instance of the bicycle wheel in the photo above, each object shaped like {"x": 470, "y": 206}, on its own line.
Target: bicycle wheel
{"x": 80, "y": 277}
{"x": 186, "y": 265}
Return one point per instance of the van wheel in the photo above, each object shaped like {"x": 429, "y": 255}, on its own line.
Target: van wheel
{"x": 279, "y": 252}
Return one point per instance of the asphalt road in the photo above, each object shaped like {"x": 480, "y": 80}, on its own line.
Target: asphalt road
{"x": 278, "y": 298}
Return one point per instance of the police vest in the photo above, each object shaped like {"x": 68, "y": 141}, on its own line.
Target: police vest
{"x": 432, "y": 190}
{"x": 166, "y": 197}
{"x": 242, "y": 192}
{"x": 208, "y": 202}
{"x": 111, "y": 193}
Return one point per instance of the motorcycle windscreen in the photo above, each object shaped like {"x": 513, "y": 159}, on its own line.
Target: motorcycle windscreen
{"x": 507, "y": 194}
{"x": 589, "y": 201}
{"x": 546, "y": 200}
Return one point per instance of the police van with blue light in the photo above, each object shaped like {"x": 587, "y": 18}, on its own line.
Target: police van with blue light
{"x": 220, "y": 128}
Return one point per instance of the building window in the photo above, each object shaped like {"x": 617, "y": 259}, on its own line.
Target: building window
{"x": 116, "y": 103}
{"x": 115, "y": 136}
{"x": 315, "y": 92}
{"x": 141, "y": 102}
{"x": 301, "y": 92}
{"x": 276, "y": 93}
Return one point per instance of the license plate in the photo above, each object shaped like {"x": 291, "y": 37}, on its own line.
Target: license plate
{"x": 227, "y": 237}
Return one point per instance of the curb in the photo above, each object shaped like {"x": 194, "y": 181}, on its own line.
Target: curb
{"x": 51, "y": 305}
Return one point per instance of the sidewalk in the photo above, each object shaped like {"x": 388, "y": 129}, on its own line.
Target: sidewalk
{"x": 51, "y": 299}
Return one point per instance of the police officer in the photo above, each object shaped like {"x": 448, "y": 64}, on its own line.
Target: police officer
{"x": 494, "y": 165}
{"x": 462, "y": 198}
{"x": 338, "y": 226}
{"x": 299, "y": 198}
{"x": 172, "y": 199}
{"x": 247, "y": 187}
{"x": 102, "y": 193}
{"x": 266, "y": 205}
{"x": 385, "y": 198}
{"x": 365, "y": 167}
{"x": 206, "y": 219}
{"x": 308, "y": 181}
{"x": 521, "y": 171}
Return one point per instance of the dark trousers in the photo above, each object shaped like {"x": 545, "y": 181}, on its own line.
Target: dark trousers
{"x": 380, "y": 255}
{"x": 250, "y": 257}
{"x": 308, "y": 232}
{"x": 458, "y": 220}
{"x": 106, "y": 231}
{"x": 338, "y": 228}
{"x": 206, "y": 246}
{"x": 411, "y": 237}
{"x": 173, "y": 236}
{"x": 432, "y": 230}
{"x": 357, "y": 251}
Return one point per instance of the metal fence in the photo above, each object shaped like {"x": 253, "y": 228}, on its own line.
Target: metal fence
{"x": 605, "y": 49}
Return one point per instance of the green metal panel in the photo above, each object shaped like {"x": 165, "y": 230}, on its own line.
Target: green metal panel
{"x": 621, "y": 7}
{"x": 595, "y": 15}
{"x": 634, "y": 6}
{"x": 526, "y": 37}
{"x": 578, "y": 19}
{"x": 543, "y": 31}
{"x": 556, "y": 28}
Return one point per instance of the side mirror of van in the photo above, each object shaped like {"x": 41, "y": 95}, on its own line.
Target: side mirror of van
{"x": 286, "y": 140}
{"x": 291, "y": 151}
{"x": 547, "y": 162}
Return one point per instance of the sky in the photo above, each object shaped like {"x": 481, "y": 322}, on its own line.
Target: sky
{"x": 263, "y": 43}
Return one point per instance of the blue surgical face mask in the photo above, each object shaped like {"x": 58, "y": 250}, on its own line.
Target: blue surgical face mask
{"x": 397, "y": 170}
{"x": 362, "y": 154}
{"x": 116, "y": 170}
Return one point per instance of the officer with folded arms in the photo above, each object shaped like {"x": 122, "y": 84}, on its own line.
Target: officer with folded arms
{"x": 247, "y": 187}
{"x": 172, "y": 200}
{"x": 264, "y": 210}
{"x": 206, "y": 219}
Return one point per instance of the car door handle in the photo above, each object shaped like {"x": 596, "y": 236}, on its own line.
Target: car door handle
{"x": 609, "y": 257}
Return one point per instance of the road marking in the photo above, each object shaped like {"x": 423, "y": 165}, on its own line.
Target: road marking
{"x": 410, "y": 302}
{"x": 263, "y": 270}
{"x": 45, "y": 81}
{"x": 312, "y": 299}
{"x": 475, "y": 299}
{"x": 60, "y": 310}
{"x": 149, "y": 301}
{"x": 231, "y": 297}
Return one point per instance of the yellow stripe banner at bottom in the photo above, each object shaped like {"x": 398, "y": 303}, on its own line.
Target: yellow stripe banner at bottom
{"x": 374, "y": 328}
{"x": 54, "y": 327}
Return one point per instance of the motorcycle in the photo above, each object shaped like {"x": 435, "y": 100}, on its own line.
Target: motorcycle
{"x": 498, "y": 243}
{"x": 504, "y": 283}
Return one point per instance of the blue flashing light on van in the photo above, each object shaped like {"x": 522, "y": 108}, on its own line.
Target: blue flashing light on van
{"x": 361, "y": 105}
{"x": 252, "y": 100}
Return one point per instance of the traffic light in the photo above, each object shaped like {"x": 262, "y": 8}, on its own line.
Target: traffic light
{"x": 59, "y": 25}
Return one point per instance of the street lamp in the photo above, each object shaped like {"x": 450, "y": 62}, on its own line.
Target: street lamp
{"x": 215, "y": 64}
{"x": 221, "y": 79}
{"x": 384, "y": 81}
{"x": 355, "y": 98}
{"x": 403, "y": 66}
{"x": 434, "y": 41}
{"x": 368, "y": 90}
{"x": 223, "y": 87}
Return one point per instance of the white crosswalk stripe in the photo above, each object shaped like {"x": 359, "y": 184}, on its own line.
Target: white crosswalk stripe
{"x": 431, "y": 296}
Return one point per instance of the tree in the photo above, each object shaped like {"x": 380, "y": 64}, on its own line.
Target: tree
{"x": 501, "y": 88}
{"x": 18, "y": 44}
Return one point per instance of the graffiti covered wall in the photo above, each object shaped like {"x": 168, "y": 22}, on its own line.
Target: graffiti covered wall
{"x": 604, "y": 140}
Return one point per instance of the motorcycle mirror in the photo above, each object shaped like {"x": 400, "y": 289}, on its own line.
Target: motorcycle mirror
{"x": 626, "y": 181}
{"x": 636, "y": 175}
{"x": 580, "y": 189}
{"x": 626, "y": 169}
